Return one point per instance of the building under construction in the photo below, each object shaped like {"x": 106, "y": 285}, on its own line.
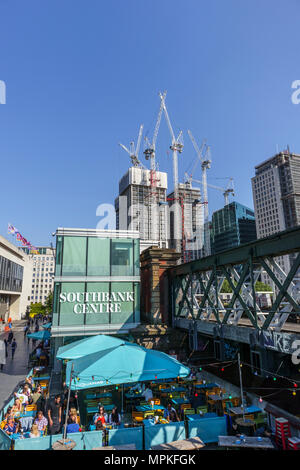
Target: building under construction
{"x": 141, "y": 205}
{"x": 191, "y": 233}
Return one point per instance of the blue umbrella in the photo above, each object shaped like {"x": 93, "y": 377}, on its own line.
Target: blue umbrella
{"x": 87, "y": 346}
{"x": 41, "y": 335}
{"x": 47, "y": 326}
{"x": 124, "y": 363}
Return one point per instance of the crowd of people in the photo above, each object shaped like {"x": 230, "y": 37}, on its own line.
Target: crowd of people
{"x": 49, "y": 417}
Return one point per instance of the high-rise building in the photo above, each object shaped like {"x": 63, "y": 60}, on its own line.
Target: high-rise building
{"x": 276, "y": 196}
{"x": 232, "y": 226}
{"x": 43, "y": 274}
{"x": 141, "y": 206}
{"x": 191, "y": 230}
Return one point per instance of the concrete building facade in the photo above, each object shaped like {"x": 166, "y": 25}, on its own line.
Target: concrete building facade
{"x": 15, "y": 280}
{"x": 276, "y": 196}
{"x": 139, "y": 206}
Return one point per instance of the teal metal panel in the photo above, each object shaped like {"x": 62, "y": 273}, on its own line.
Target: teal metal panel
{"x": 163, "y": 433}
{"x": 117, "y": 437}
{"x": 208, "y": 429}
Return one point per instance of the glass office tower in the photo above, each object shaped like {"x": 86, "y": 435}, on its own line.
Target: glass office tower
{"x": 232, "y": 226}
{"x": 96, "y": 284}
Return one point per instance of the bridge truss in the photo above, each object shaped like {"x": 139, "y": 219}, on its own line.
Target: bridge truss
{"x": 196, "y": 286}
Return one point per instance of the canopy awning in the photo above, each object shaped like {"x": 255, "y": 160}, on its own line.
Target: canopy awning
{"x": 41, "y": 335}
{"x": 86, "y": 346}
{"x": 123, "y": 363}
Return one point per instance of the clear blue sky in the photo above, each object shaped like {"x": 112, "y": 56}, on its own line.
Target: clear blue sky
{"x": 82, "y": 76}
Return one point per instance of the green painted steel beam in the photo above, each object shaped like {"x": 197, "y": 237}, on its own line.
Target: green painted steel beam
{"x": 276, "y": 245}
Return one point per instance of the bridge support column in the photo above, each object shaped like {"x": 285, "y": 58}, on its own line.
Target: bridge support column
{"x": 154, "y": 283}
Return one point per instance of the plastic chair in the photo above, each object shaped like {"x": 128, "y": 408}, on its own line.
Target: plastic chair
{"x": 188, "y": 411}
{"x": 31, "y": 407}
{"x": 201, "y": 409}
{"x": 137, "y": 416}
{"x": 185, "y": 406}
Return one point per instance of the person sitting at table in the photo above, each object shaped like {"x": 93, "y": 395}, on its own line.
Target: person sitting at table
{"x": 36, "y": 394}
{"x": 11, "y": 426}
{"x": 99, "y": 426}
{"x": 17, "y": 406}
{"x": 147, "y": 394}
{"x": 233, "y": 428}
{"x": 73, "y": 426}
{"x": 73, "y": 412}
{"x": 198, "y": 375}
{"x": 101, "y": 415}
{"x": 170, "y": 413}
{"x": 139, "y": 386}
{"x": 192, "y": 374}
{"x": 7, "y": 415}
{"x": 34, "y": 431}
{"x": 43, "y": 358}
{"x": 114, "y": 417}
{"x": 41, "y": 421}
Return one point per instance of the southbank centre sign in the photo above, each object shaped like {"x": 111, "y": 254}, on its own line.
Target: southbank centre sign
{"x": 96, "y": 302}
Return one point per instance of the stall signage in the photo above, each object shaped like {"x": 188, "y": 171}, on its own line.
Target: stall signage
{"x": 96, "y": 302}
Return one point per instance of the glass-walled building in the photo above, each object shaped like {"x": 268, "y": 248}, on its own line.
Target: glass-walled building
{"x": 232, "y": 226}
{"x": 96, "y": 283}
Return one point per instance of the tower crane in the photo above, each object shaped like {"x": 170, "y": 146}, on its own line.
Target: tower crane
{"x": 149, "y": 152}
{"x": 205, "y": 165}
{"x": 226, "y": 191}
{"x": 133, "y": 151}
{"x": 176, "y": 147}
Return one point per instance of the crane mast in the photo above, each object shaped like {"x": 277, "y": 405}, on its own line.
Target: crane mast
{"x": 176, "y": 147}
{"x": 205, "y": 165}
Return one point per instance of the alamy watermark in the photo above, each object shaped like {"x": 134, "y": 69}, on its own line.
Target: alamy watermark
{"x": 296, "y": 353}
{"x": 150, "y": 218}
{"x": 296, "y": 94}
{"x": 2, "y": 92}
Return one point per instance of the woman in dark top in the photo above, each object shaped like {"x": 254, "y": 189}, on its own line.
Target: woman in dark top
{"x": 114, "y": 417}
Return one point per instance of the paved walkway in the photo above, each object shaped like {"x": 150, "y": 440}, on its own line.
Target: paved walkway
{"x": 15, "y": 370}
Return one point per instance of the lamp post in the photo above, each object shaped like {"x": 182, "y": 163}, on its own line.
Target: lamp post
{"x": 241, "y": 386}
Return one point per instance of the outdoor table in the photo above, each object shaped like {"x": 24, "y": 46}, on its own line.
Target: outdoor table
{"x": 91, "y": 396}
{"x": 94, "y": 409}
{"x": 17, "y": 435}
{"x": 253, "y": 442}
{"x": 195, "y": 417}
{"x": 145, "y": 408}
{"x": 238, "y": 410}
{"x": 133, "y": 396}
{"x": 185, "y": 444}
{"x": 180, "y": 401}
{"x": 26, "y": 423}
{"x": 41, "y": 378}
{"x": 26, "y": 414}
{"x": 205, "y": 386}
{"x": 173, "y": 390}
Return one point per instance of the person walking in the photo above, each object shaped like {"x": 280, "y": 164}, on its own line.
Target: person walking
{"x": 10, "y": 336}
{"x": 2, "y": 354}
{"x": 13, "y": 348}
{"x": 26, "y": 328}
{"x": 28, "y": 333}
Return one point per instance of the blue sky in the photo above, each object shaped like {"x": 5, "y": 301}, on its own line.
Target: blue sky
{"x": 82, "y": 76}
